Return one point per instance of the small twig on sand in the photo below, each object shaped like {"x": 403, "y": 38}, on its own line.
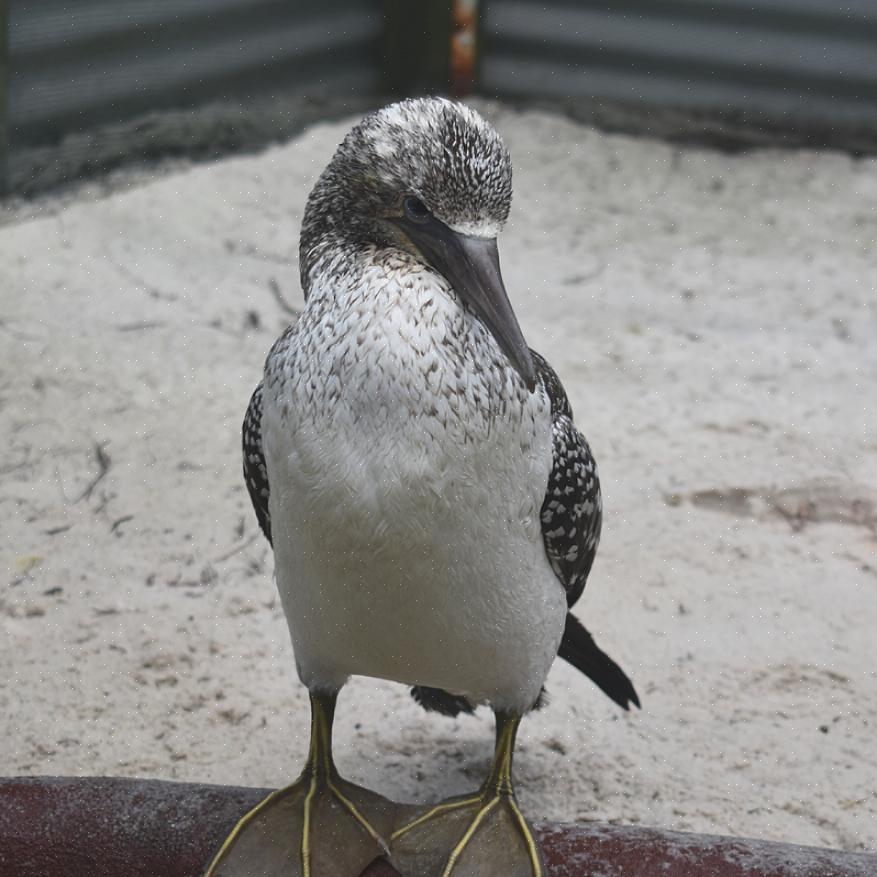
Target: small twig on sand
{"x": 231, "y": 553}
{"x": 103, "y": 462}
{"x": 139, "y": 327}
{"x": 119, "y": 521}
{"x": 278, "y": 296}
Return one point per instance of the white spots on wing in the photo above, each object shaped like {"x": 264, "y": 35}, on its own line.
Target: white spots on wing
{"x": 571, "y": 513}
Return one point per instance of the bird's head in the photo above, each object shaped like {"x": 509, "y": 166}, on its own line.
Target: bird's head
{"x": 432, "y": 178}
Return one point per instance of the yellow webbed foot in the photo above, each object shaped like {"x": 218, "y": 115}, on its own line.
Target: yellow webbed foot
{"x": 320, "y": 826}
{"x": 482, "y": 835}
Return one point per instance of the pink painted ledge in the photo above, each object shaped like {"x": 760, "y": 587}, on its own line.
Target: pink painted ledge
{"x": 104, "y": 827}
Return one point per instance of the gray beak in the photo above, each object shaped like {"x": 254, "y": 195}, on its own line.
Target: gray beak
{"x": 471, "y": 266}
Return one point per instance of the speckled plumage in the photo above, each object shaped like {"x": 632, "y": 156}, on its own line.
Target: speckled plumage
{"x": 434, "y": 518}
{"x": 572, "y": 511}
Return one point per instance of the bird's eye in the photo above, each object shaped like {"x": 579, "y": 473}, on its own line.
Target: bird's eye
{"x": 415, "y": 209}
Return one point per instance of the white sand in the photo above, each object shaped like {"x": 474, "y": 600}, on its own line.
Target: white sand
{"x": 714, "y": 319}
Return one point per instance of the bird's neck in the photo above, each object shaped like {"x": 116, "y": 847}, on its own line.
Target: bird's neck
{"x": 335, "y": 239}
{"x": 380, "y": 313}
{"x": 384, "y": 284}
{"x": 333, "y": 264}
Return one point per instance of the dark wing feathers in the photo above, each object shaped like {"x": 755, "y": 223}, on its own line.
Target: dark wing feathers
{"x": 572, "y": 515}
{"x": 255, "y": 471}
{"x": 571, "y": 519}
{"x": 572, "y": 511}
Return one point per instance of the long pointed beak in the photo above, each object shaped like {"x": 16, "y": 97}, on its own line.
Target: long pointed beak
{"x": 471, "y": 266}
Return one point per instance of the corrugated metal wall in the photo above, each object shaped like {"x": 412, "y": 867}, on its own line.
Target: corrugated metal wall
{"x": 72, "y": 66}
{"x": 810, "y": 59}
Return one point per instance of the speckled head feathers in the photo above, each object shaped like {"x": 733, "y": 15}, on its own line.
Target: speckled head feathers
{"x": 442, "y": 152}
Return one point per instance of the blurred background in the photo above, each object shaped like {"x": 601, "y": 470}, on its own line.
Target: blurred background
{"x": 90, "y": 85}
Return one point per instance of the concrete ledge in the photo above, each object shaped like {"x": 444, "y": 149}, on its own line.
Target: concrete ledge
{"x": 104, "y": 827}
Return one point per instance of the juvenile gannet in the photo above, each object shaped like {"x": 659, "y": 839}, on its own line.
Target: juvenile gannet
{"x": 433, "y": 510}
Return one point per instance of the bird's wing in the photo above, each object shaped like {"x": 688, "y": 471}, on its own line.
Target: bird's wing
{"x": 255, "y": 471}
{"x": 572, "y": 514}
{"x": 572, "y": 511}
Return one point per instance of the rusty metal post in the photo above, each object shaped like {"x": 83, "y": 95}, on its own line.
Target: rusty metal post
{"x": 430, "y": 48}
{"x": 464, "y": 46}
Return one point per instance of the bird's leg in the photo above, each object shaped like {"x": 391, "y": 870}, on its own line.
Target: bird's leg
{"x": 480, "y": 835}
{"x": 320, "y": 826}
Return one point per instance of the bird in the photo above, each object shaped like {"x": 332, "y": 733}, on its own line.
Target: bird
{"x": 433, "y": 510}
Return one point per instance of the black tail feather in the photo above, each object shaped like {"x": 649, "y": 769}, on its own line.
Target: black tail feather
{"x": 578, "y": 647}
{"x": 439, "y": 701}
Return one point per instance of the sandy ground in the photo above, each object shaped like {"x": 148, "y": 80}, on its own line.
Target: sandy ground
{"x": 714, "y": 319}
